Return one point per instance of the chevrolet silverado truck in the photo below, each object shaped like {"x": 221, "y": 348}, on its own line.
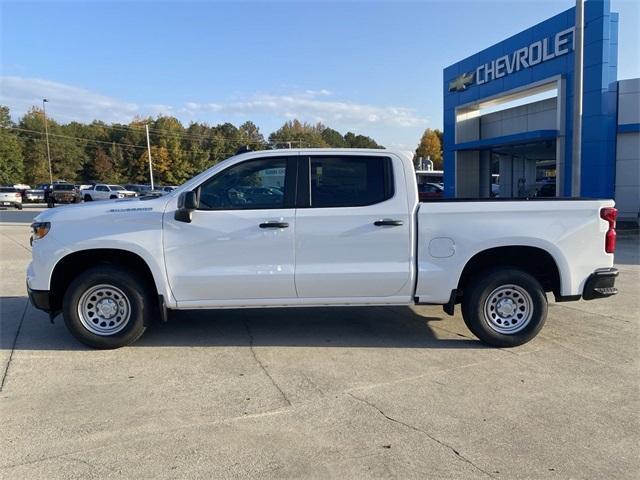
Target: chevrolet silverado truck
{"x": 102, "y": 191}
{"x": 317, "y": 227}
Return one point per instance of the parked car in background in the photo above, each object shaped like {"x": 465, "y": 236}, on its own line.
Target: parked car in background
{"x": 102, "y": 191}
{"x": 167, "y": 188}
{"x": 138, "y": 188}
{"x": 429, "y": 191}
{"x": 547, "y": 190}
{"x": 63, "y": 193}
{"x": 33, "y": 196}
{"x": 10, "y": 197}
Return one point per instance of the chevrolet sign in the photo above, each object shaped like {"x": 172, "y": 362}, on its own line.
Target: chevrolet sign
{"x": 525, "y": 57}
{"x": 462, "y": 82}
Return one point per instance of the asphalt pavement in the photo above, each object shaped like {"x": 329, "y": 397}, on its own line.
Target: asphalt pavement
{"x": 320, "y": 393}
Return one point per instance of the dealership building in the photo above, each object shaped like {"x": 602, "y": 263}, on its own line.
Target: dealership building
{"x": 508, "y": 116}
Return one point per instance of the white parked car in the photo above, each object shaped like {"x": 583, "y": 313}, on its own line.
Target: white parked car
{"x": 103, "y": 191}
{"x": 294, "y": 228}
{"x": 10, "y": 197}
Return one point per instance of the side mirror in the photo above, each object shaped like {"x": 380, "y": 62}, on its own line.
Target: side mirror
{"x": 187, "y": 203}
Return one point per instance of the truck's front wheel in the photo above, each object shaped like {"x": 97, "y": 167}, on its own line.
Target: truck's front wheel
{"x": 504, "y": 307}
{"x": 106, "y": 307}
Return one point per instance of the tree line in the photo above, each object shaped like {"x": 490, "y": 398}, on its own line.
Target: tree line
{"x": 117, "y": 153}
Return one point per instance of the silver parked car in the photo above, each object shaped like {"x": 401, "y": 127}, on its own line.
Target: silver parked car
{"x": 10, "y": 197}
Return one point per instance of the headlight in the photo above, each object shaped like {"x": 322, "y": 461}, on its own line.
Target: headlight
{"x": 40, "y": 229}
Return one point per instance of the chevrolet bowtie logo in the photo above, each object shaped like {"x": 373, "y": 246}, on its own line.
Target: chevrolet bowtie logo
{"x": 462, "y": 82}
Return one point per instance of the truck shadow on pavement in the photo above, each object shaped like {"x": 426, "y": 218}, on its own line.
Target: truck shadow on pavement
{"x": 355, "y": 327}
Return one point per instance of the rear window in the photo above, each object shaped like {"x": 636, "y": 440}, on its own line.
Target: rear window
{"x": 350, "y": 181}
{"x": 7, "y": 189}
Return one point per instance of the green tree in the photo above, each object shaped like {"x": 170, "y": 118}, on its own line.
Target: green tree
{"x": 67, "y": 153}
{"x": 360, "y": 141}
{"x": 430, "y": 147}
{"x": 251, "y": 135}
{"x": 11, "y": 160}
{"x": 299, "y": 134}
{"x": 334, "y": 138}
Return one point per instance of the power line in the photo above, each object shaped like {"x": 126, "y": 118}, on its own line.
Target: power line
{"x": 238, "y": 143}
{"x": 26, "y": 130}
{"x": 39, "y": 134}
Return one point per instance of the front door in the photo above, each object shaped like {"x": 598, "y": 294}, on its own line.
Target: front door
{"x": 240, "y": 242}
{"x": 353, "y": 230}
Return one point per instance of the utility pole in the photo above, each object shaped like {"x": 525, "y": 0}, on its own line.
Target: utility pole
{"x": 578, "y": 51}
{"x": 46, "y": 134}
{"x": 146, "y": 126}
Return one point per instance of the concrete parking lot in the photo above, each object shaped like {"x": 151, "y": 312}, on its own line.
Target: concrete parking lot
{"x": 320, "y": 393}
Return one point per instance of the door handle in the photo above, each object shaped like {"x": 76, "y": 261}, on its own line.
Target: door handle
{"x": 388, "y": 223}
{"x": 274, "y": 225}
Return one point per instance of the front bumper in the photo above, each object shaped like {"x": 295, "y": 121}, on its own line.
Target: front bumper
{"x": 40, "y": 299}
{"x": 600, "y": 284}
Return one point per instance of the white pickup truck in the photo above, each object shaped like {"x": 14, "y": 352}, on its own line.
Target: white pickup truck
{"x": 102, "y": 191}
{"x": 288, "y": 228}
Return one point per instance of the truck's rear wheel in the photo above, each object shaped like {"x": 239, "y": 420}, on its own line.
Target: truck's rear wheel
{"x": 504, "y": 307}
{"x": 106, "y": 307}
{"x": 87, "y": 198}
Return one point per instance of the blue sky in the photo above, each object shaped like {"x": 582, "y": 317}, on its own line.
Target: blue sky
{"x": 369, "y": 67}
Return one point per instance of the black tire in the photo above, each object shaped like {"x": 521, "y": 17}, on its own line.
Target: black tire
{"x": 112, "y": 197}
{"x": 87, "y": 198}
{"x": 481, "y": 315}
{"x": 19, "y": 206}
{"x": 135, "y": 293}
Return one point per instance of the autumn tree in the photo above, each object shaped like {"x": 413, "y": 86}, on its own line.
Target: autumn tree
{"x": 98, "y": 151}
{"x": 430, "y": 147}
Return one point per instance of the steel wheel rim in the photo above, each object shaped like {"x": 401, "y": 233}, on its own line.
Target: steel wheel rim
{"x": 104, "y": 310}
{"x": 508, "y": 309}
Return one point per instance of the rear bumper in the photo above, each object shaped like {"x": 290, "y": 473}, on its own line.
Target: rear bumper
{"x": 600, "y": 284}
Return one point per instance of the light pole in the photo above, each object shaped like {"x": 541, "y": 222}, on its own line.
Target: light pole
{"x": 46, "y": 133}
{"x": 146, "y": 126}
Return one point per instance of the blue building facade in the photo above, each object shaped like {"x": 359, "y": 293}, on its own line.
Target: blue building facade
{"x": 526, "y": 143}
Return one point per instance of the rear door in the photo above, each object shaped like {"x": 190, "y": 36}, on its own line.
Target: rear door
{"x": 352, "y": 227}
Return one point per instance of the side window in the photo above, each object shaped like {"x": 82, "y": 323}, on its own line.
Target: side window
{"x": 255, "y": 184}
{"x": 101, "y": 188}
{"x": 350, "y": 181}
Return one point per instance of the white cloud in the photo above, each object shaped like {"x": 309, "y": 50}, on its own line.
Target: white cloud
{"x": 70, "y": 102}
{"x": 74, "y": 103}
{"x": 311, "y": 108}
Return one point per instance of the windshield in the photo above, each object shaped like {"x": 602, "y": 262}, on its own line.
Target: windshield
{"x": 116, "y": 187}
{"x": 64, "y": 187}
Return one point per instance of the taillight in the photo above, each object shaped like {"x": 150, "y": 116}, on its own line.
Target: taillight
{"x": 609, "y": 214}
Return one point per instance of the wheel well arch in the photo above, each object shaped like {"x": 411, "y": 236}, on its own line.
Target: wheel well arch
{"x": 536, "y": 261}
{"x": 70, "y": 266}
